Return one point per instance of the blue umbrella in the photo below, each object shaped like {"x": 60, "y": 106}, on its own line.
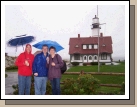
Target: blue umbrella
{"x": 49, "y": 43}
{"x": 20, "y": 40}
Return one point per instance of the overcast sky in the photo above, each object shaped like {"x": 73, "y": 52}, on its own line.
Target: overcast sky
{"x": 59, "y": 23}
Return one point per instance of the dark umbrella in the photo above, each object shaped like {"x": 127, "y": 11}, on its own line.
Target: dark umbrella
{"x": 20, "y": 40}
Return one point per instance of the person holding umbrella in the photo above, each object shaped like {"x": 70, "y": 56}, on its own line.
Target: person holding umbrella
{"x": 54, "y": 63}
{"x": 24, "y": 62}
{"x": 40, "y": 71}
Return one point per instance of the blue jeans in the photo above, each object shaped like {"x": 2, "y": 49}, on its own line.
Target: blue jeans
{"x": 40, "y": 85}
{"x": 24, "y": 84}
{"x": 55, "y": 84}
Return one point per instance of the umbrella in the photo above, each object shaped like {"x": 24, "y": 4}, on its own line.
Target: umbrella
{"x": 37, "y": 52}
{"x": 20, "y": 40}
{"x": 49, "y": 43}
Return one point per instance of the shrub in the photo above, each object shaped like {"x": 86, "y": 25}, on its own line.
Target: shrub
{"x": 15, "y": 87}
{"x": 6, "y": 75}
{"x": 48, "y": 88}
{"x": 84, "y": 64}
{"x": 84, "y": 85}
{"x": 103, "y": 63}
{"x": 94, "y": 63}
{"x": 75, "y": 63}
{"x": 11, "y": 67}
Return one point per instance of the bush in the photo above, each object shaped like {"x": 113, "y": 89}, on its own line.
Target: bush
{"x": 84, "y": 64}
{"x": 75, "y": 63}
{"x": 103, "y": 63}
{"x": 48, "y": 89}
{"x": 15, "y": 87}
{"x": 11, "y": 67}
{"x": 84, "y": 85}
{"x": 94, "y": 63}
{"x": 6, "y": 75}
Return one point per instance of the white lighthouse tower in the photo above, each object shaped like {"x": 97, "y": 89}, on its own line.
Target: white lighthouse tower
{"x": 95, "y": 26}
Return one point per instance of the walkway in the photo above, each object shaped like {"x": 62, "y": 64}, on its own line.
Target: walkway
{"x": 12, "y": 79}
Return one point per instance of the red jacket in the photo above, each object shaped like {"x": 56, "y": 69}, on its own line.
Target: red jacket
{"x": 22, "y": 68}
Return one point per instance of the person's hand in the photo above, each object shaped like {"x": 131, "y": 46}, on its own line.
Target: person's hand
{"x": 35, "y": 74}
{"x": 26, "y": 63}
{"x": 47, "y": 59}
{"x": 53, "y": 64}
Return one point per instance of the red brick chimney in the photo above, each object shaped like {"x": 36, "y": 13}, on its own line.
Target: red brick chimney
{"x": 101, "y": 34}
{"x": 78, "y": 35}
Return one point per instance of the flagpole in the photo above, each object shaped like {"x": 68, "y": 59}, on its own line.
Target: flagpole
{"x": 98, "y": 43}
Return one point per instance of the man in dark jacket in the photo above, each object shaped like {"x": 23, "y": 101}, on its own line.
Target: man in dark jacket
{"x": 40, "y": 71}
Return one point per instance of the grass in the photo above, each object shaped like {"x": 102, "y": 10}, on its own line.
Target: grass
{"x": 104, "y": 68}
{"x": 110, "y": 79}
{"x": 11, "y": 70}
{"x": 111, "y": 90}
{"x": 6, "y": 75}
{"x": 68, "y": 76}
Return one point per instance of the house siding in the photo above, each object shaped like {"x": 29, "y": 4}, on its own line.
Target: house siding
{"x": 87, "y": 60}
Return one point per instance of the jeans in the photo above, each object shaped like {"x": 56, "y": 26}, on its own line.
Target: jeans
{"x": 24, "y": 84}
{"x": 55, "y": 84}
{"x": 40, "y": 85}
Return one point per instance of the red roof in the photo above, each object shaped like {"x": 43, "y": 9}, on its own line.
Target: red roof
{"x": 105, "y": 40}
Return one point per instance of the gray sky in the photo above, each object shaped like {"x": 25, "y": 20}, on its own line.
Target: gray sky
{"x": 59, "y": 23}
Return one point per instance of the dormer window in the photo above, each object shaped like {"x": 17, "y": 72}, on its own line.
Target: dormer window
{"x": 84, "y": 46}
{"x": 95, "y": 46}
{"x": 87, "y": 46}
{"x": 76, "y": 46}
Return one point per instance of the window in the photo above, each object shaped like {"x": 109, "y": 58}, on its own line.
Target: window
{"x": 95, "y": 57}
{"x": 95, "y": 46}
{"x": 90, "y": 58}
{"x": 76, "y": 57}
{"x": 85, "y": 58}
{"x": 92, "y": 46}
{"x": 84, "y": 46}
{"x": 104, "y": 56}
{"x": 87, "y": 46}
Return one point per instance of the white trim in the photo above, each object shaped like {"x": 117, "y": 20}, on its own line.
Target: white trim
{"x": 94, "y": 58}
{"x": 86, "y": 58}
{"x": 91, "y": 58}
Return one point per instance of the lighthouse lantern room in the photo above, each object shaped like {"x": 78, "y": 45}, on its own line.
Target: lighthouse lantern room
{"x": 95, "y": 26}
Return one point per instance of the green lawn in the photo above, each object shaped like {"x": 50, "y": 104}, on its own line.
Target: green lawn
{"x": 112, "y": 90}
{"x": 94, "y": 68}
{"x": 12, "y": 70}
{"x": 110, "y": 79}
{"x": 104, "y": 79}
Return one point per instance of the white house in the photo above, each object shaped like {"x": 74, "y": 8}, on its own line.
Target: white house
{"x": 85, "y": 49}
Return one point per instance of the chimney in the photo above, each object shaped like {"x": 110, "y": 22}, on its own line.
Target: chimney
{"x": 78, "y": 35}
{"x": 101, "y": 34}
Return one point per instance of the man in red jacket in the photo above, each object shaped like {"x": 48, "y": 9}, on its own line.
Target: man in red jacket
{"x": 24, "y": 63}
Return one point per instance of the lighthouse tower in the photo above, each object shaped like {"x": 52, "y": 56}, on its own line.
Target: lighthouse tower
{"x": 95, "y": 26}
